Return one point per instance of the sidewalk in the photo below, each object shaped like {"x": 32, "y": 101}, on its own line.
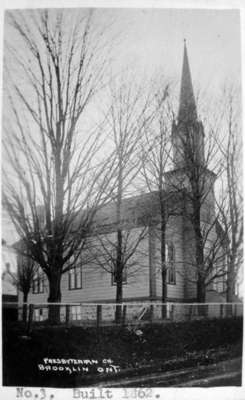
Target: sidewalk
{"x": 201, "y": 376}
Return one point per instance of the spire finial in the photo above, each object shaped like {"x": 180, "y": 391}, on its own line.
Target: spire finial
{"x": 187, "y": 105}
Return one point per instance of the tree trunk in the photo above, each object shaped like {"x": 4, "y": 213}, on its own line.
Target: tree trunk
{"x": 164, "y": 273}
{"x": 55, "y": 273}
{"x": 230, "y": 290}
{"x": 201, "y": 289}
{"x": 163, "y": 255}
{"x": 119, "y": 296}
{"x": 25, "y": 298}
{"x": 199, "y": 252}
{"x": 201, "y": 286}
{"x": 54, "y": 297}
{"x": 119, "y": 277}
{"x": 201, "y": 296}
{"x": 164, "y": 292}
{"x": 119, "y": 266}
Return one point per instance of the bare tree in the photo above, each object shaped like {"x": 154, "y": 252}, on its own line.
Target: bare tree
{"x": 53, "y": 182}
{"x": 26, "y": 273}
{"x": 214, "y": 256}
{"x": 215, "y": 215}
{"x": 196, "y": 166}
{"x": 104, "y": 252}
{"x": 23, "y": 277}
{"x": 128, "y": 115}
{"x": 185, "y": 191}
{"x": 156, "y": 159}
{"x": 221, "y": 219}
{"x": 230, "y": 199}
{"x": 197, "y": 182}
{"x": 198, "y": 161}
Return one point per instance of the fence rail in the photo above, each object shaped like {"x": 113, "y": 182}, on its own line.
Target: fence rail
{"x": 131, "y": 313}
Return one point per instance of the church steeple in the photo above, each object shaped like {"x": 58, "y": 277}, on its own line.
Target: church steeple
{"x": 187, "y": 131}
{"x": 187, "y": 105}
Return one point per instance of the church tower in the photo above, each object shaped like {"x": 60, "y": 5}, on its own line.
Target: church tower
{"x": 188, "y": 152}
{"x": 187, "y": 131}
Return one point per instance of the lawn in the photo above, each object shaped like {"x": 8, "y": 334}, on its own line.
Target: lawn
{"x": 77, "y": 356}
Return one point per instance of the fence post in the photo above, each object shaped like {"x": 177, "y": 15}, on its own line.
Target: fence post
{"x": 151, "y": 313}
{"x": 221, "y": 311}
{"x": 67, "y": 314}
{"x": 124, "y": 315}
{"x": 24, "y": 312}
{"x": 98, "y": 315}
{"x": 30, "y": 318}
{"x": 171, "y": 316}
{"x": 229, "y": 310}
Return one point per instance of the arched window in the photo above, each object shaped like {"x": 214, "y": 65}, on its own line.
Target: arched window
{"x": 170, "y": 258}
{"x": 75, "y": 278}
{"x": 38, "y": 282}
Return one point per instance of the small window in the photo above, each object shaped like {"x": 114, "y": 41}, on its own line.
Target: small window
{"x": 75, "y": 278}
{"x": 76, "y": 314}
{"x": 170, "y": 257}
{"x": 38, "y": 283}
{"x": 38, "y": 314}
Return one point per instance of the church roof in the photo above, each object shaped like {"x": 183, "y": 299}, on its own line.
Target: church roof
{"x": 137, "y": 210}
{"x": 187, "y": 105}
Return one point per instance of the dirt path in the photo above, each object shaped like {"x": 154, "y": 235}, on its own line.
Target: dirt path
{"x": 224, "y": 373}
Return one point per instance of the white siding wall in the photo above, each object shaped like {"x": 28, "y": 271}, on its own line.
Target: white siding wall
{"x": 40, "y": 297}
{"x": 97, "y": 283}
{"x": 174, "y": 235}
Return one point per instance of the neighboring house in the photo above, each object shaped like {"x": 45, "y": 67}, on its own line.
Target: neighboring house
{"x": 88, "y": 282}
{"x": 9, "y": 289}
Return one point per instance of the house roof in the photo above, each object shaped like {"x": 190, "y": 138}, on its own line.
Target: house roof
{"x": 8, "y": 287}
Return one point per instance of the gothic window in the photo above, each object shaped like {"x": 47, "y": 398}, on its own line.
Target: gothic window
{"x": 38, "y": 283}
{"x": 219, "y": 282}
{"x": 170, "y": 257}
{"x": 75, "y": 278}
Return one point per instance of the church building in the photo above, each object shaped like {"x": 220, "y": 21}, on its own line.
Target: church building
{"x": 142, "y": 280}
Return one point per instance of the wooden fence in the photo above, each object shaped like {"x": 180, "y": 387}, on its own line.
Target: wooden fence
{"x": 132, "y": 314}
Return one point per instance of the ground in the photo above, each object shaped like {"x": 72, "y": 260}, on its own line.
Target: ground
{"x": 76, "y": 356}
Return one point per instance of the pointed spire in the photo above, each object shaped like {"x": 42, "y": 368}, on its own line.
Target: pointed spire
{"x": 187, "y": 104}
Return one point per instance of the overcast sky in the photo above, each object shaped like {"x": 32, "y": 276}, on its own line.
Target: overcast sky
{"x": 150, "y": 42}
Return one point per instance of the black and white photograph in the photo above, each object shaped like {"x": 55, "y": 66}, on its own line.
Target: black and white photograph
{"x": 122, "y": 199}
